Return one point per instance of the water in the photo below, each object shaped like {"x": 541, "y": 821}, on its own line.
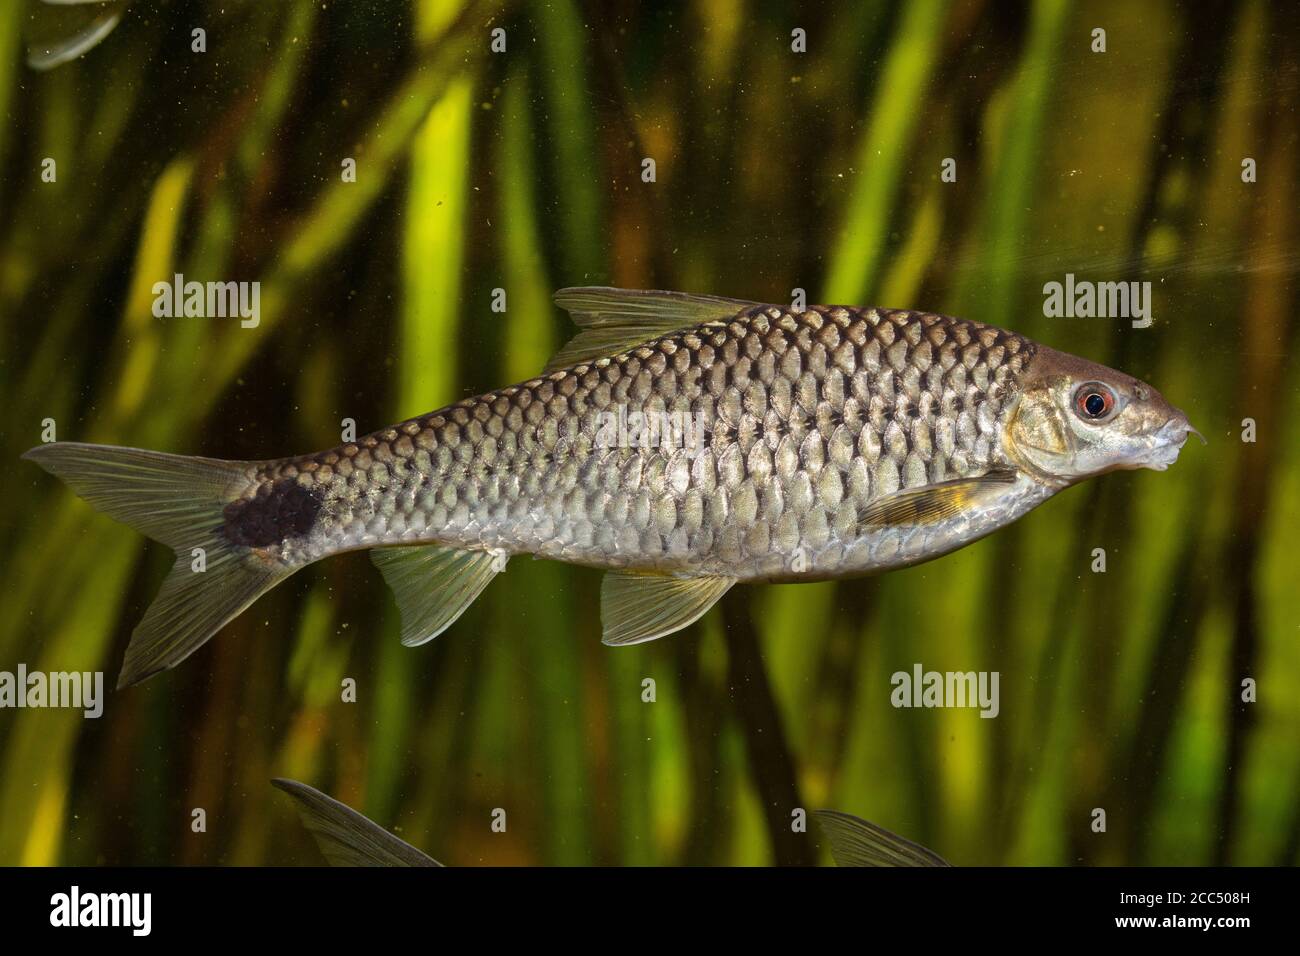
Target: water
{"x": 774, "y": 171}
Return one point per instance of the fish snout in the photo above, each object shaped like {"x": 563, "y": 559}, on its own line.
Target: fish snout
{"x": 1173, "y": 432}
{"x": 1176, "y": 428}
{"x": 1168, "y": 439}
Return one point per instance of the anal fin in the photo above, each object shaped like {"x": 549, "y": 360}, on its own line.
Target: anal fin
{"x": 641, "y": 607}
{"x": 434, "y": 585}
{"x": 930, "y": 504}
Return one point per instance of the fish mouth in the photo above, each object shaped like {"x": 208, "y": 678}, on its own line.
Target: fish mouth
{"x": 1168, "y": 441}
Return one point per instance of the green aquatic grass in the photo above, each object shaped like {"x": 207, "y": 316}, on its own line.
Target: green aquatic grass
{"x": 883, "y": 156}
{"x": 478, "y": 171}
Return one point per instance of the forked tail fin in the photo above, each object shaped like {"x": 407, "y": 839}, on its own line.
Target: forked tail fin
{"x": 179, "y": 501}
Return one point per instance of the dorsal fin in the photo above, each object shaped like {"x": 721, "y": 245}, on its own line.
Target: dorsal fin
{"x": 615, "y": 320}
{"x": 346, "y": 837}
{"x": 858, "y": 842}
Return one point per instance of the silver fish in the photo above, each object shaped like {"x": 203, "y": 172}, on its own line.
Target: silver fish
{"x": 682, "y": 443}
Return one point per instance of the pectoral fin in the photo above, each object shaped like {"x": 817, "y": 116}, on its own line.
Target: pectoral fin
{"x": 616, "y": 320}
{"x": 857, "y": 842}
{"x": 641, "y": 607}
{"x": 434, "y": 585}
{"x": 933, "y": 503}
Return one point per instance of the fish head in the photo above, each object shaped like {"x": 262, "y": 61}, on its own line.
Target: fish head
{"x": 1073, "y": 419}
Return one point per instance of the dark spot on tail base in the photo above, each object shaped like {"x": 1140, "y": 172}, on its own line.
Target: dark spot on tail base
{"x": 281, "y": 509}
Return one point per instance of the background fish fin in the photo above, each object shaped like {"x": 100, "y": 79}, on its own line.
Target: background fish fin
{"x": 641, "y": 607}
{"x": 179, "y": 501}
{"x": 346, "y": 837}
{"x": 857, "y": 842}
{"x": 63, "y": 31}
{"x": 434, "y": 585}
{"x": 616, "y": 320}
{"x": 931, "y": 503}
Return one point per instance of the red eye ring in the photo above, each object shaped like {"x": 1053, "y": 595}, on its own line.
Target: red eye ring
{"x": 1094, "y": 401}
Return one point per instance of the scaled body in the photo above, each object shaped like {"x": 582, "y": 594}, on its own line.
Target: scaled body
{"x": 808, "y": 419}
{"x": 794, "y": 446}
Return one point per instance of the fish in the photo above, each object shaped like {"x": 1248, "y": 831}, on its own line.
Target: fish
{"x": 858, "y": 842}
{"x": 346, "y": 837}
{"x": 349, "y": 838}
{"x": 680, "y": 443}
{"x": 59, "y": 31}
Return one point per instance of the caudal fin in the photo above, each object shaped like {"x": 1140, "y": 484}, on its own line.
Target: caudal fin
{"x": 179, "y": 501}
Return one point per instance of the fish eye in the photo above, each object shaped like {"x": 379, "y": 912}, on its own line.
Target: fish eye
{"x": 1093, "y": 402}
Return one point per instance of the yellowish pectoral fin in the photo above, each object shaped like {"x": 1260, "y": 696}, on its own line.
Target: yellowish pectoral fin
{"x": 616, "y": 320}
{"x": 933, "y": 503}
{"x": 858, "y": 842}
{"x": 641, "y": 607}
{"x": 434, "y": 585}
